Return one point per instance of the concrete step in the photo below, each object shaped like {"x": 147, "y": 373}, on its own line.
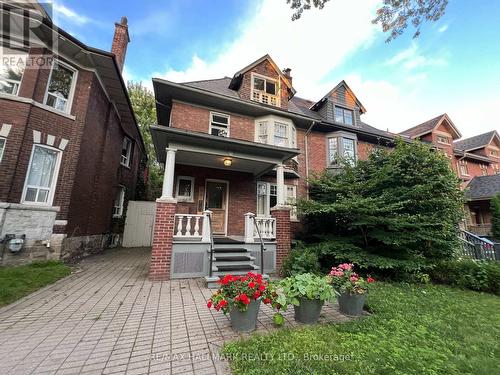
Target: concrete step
{"x": 233, "y": 257}
{"x": 229, "y": 249}
{"x": 223, "y": 263}
{"x": 233, "y": 269}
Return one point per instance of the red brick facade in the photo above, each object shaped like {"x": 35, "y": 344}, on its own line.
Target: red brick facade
{"x": 161, "y": 252}
{"x": 283, "y": 235}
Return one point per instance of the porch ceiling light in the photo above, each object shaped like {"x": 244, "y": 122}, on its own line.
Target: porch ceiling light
{"x": 228, "y": 162}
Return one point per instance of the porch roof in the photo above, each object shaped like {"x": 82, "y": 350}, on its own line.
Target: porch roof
{"x": 206, "y": 150}
{"x": 483, "y": 187}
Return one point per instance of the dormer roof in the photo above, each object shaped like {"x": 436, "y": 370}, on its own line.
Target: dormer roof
{"x": 237, "y": 78}
{"x": 342, "y": 83}
{"x": 429, "y": 126}
{"x": 477, "y": 142}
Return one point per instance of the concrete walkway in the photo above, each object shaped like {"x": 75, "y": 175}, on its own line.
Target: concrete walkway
{"x": 108, "y": 318}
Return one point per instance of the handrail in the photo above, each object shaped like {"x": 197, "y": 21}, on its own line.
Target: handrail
{"x": 209, "y": 217}
{"x": 262, "y": 248}
{"x": 477, "y": 247}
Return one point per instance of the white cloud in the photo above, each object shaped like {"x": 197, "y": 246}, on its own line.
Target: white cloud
{"x": 312, "y": 46}
{"x": 412, "y": 58}
{"x": 69, "y": 14}
{"x": 443, "y": 28}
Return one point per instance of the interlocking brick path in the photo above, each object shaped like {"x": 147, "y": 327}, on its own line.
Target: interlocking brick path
{"x": 108, "y": 318}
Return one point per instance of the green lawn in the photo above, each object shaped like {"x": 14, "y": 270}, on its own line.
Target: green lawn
{"x": 413, "y": 330}
{"x": 18, "y": 281}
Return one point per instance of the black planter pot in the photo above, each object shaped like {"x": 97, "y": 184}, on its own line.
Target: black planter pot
{"x": 351, "y": 304}
{"x": 308, "y": 311}
{"x": 245, "y": 321}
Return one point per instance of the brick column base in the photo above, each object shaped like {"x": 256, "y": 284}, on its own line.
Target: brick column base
{"x": 283, "y": 234}
{"x": 161, "y": 252}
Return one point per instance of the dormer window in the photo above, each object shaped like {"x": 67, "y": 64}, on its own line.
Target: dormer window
{"x": 344, "y": 116}
{"x": 265, "y": 90}
{"x": 443, "y": 139}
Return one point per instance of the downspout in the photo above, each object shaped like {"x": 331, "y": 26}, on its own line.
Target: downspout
{"x": 306, "y": 155}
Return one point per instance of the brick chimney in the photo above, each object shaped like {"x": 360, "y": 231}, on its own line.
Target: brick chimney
{"x": 120, "y": 41}
{"x": 287, "y": 72}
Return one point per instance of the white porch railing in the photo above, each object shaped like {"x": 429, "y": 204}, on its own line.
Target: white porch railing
{"x": 266, "y": 225}
{"x": 191, "y": 227}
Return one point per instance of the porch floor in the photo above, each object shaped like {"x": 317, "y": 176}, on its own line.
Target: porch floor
{"x": 108, "y": 318}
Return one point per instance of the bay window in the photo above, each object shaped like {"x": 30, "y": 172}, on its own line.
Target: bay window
{"x": 42, "y": 174}
{"x": 60, "y": 87}
{"x": 267, "y": 198}
{"x": 341, "y": 146}
{"x": 265, "y": 90}
{"x": 12, "y": 70}
{"x": 219, "y": 124}
{"x": 276, "y": 131}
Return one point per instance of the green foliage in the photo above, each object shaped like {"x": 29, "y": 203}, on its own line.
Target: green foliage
{"x": 19, "y": 281}
{"x": 301, "y": 260}
{"x": 468, "y": 273}
{"x": 395, "y": 210}
{"x": 306, "y": 285}
{"x": 413, "y": 329}
{"x": 495, "y": 216}
{"x": 144, "y": 105}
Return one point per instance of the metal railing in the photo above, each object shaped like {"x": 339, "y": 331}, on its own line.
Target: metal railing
{"x": 262, "y": 247}
{"x": 477, "y": 247}
{"x": 208, "y": 218}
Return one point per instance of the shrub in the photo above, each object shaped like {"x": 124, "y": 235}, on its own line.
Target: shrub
{"x": 495, "y": 216}
{"x": 301, "y": 260}
{"x": 468, "y": 273}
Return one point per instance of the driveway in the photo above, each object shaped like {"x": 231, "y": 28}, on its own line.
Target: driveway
{"x": 108, "y": 318}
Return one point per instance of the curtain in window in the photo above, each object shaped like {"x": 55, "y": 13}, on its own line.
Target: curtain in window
{"x": 42, "y": 167}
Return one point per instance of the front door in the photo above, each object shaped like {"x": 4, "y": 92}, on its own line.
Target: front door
{"x": 216, "y": 201}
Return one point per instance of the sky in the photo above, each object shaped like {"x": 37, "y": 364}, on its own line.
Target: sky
{"x": 453, "y": 67}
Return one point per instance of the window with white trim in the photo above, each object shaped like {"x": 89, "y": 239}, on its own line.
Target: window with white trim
{"x": 484, "y": 169}
{"x": 344, "y": 116}
{"x": 265, "y": 90}
{"x": 267, "y": 198}
{"x": 493, "y": 153}
{"x": 276, "y": 131}
{"x": 60, "y": 86}
{"x": 464, "y": 171}
{"x": 42, "y": 174}
{"x": 11, "y": 73}
{"x": 118, "y": 203}
{"x": 185, "y": 189}
{"x": 341, "y": 147}
{"x": 496, "y": 168}
{"x": 2, "y": 147}
{"x": 443, "y": 139}
{"x": 126, "y": 152}
{"x": 219, "y": 124}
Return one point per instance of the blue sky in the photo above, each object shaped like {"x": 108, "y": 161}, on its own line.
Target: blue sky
{"x": 453, "y": 67}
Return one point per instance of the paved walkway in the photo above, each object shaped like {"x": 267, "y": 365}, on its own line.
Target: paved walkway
{"x": 108, "y": 318}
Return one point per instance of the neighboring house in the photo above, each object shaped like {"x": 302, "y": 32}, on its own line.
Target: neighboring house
{"x": 239, "y": 146}
{"x": 70, "y": 147}
{"x": 475, "y": 160}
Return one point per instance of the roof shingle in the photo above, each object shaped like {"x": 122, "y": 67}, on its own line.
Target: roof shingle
{"x": 475, "y": 142}
{"x": 483, "y": 187}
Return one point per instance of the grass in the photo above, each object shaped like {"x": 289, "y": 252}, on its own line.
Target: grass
{"x": 19, "y": 281}
{"x": 414, "y": 329}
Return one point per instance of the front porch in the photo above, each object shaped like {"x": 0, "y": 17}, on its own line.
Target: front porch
{"x": 210, "y": 220}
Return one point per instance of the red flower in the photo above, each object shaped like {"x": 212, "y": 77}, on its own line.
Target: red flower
{"x": 267, "y": 300}
{"x": 251, "y": 284}
{"x": 223, "y": 303}
{"x": 226, "y": 279}
{"x": 243, "y": 298}
{"x": 262, "y": 287}
{"x": 209, "y": 304}
{"x": 256, "y": 295}
{"x": 370, "y": 280}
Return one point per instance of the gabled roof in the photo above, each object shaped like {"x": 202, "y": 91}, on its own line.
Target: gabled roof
{"x": 476, "y": 142}
{"x": 316, "y": 105}
{"x": 429, "y": 126}
{"x": 236, "y": 80}
{"x": 483, "y": 187}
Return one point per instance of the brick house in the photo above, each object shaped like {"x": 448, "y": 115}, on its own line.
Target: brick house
{"x": 70, "y": 148}
{"x": 475, "y": 160}
{"x": 242, "y": 147}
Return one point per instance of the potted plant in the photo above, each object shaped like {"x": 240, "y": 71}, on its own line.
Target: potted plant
{"x": 307, "y": 293}
{"x": 240, "y": 296}
{"x": 351, "y": 288}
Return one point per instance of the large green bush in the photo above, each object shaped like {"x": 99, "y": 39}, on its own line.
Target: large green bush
{"x": 495, "y": 216}
{"x": 468, "y": 273}
{"x": 397, "y": 210}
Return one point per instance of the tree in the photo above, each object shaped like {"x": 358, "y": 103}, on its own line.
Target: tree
{"x": 144, "y": 106}
{"x": 397, "y": 208}
{"x": 394, "y": 15}
{"x": 495, "y": 216}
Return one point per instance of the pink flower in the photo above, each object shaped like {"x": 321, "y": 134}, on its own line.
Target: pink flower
{"x": 346, "y": 266}
{"x": 354, "y": 278}
{"x": 337, "y": 273}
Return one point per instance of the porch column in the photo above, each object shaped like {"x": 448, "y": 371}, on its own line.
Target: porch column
{"x": 166, "y": 205}
{"x": 283, "y": 234}
{"x": 280, "y": 186}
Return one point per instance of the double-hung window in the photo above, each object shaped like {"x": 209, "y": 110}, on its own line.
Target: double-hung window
{"x": 2, "y": 147}
{"x": 60, "y": 87}
{"x": 341, "y": 147}
{"x": 267, "y": 198}
{"x": 42, "y": 175}
{"x": 219, "y": 124}
{"x": 12, "y": 70}
{"x": 185, "y": 189}
{"x": 344, "y": 116}
{"x": 275, "y": 131}
{"x": 126, "y": 152}
{"x": 464, "y": 171}
{"x": 118, "y": 203}
{"x": 265, "y": 90}
{"x": 484, "y": 169}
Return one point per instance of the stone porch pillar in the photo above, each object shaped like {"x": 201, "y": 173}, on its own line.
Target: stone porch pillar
{"x": 283, "y": 233}
{"x": 166, "y": 205}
